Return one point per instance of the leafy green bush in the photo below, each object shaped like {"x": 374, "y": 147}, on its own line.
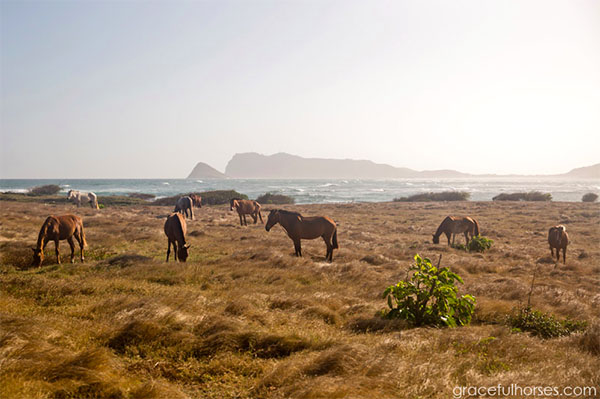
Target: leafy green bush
{"x": 542, "y": 324}
{"x": 217, "y": 197}
{"x": 429, "y": 297}
{"x": 443, "y": 196}
{"x": 48, "y": 189}
{"x": 479, "y": 244}
{"x": 589, "y": 197}
{"x": 530, "y": 196}
{"x": 278, "y": 199}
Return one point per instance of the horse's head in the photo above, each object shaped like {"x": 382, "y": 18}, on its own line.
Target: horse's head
{"x": 233, "y": 203}
{"x": 272, "y": 220}
{"x": 38, "y": 257}
{"x": 70, "y": 194}
{"x": 436, "y": 239}
{"x": 183, "y": 253}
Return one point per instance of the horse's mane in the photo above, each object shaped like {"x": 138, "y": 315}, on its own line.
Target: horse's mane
{"x": 440, "y": 230}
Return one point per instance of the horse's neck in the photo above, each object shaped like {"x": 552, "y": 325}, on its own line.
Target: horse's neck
{"x": 443, "y": 226}
{"x": 285, "y": 223}
{"x": 41, "y": 242}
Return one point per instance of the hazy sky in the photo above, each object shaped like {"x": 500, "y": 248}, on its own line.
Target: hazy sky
{"x": 147, "y": 89}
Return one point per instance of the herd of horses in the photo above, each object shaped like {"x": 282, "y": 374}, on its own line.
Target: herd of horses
{"x": 297, "y": 227}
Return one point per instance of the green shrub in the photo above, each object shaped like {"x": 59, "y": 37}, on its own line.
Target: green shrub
{"x": 479, "y": 244}
{"x": 278, "y": 199}
{"x": 443, "y": 196}
{"x": 48, "y": 189}
{"x": 217, "y": 197}
{"x": 530, "y": 196}
{"x": 542, "y": 324}
{"x": 100, "y": 206}
{"x": 429, "y": 297}
{"x": 589, "y": 197}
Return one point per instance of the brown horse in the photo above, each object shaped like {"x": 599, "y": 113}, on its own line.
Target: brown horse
{"x": 185, "y": 205}
{"x": 246, "y": 207}
{"x": 299, "y": 227}
{"x": 559, "y": 239}
{"x": 57, "y": 228}
{"x": 455, "y": 225}
{"x": 175, "y": 229}
{"x": 197, "y": 200}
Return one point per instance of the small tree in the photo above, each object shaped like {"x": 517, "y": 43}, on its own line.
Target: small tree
{"x": 589, "y": 197}
{"x": 49, "y": 189}
{"x": 430, "y": 297}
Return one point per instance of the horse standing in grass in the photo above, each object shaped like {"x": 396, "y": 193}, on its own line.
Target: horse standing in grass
{"x": 197, "y": 200}
{"x": 82, "y": 196}
{"x": 57, "y": 228}
{"x": 175, "y": 229}
{"x": 185, "y": 204}
{"x": 299, "y": 227}
{"x": 559, "y": 239}
{"x": 456, "y": 225}
{"x": 246, "y": 207}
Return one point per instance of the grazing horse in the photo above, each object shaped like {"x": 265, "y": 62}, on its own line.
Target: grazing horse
{"x": 57, "y": 228}
{"x": 559, "y": 239}
{"x": 455, "y": 225}
{"x": 185, "y": 204}
{"x": 197, "y": 200}
{"x": 246, "y": 207}
{"x": 175, "y": 229}
{"x": 82, "y": 196}
{"x": 299, "y": 227}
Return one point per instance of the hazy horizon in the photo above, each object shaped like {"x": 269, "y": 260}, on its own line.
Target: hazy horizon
{"x": 148, "y": 89}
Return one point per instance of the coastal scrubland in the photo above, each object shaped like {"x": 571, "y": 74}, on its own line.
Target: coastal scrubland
{"x": 244, "y": 318}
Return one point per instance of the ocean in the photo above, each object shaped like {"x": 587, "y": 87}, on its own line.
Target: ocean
{"x": 311, "y": 191}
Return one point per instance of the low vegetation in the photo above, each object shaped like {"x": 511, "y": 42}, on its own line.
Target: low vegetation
{"x": 589, "y": 197}
{"x": 529, "y": 196}
{"x": 144, "y": 196}
{"x": 479, "y": 243}
{"x": 278, "y": 199}
{"x": 542, "y": 324}
{"x": 429, "y": 297}
{"x": 443, "y": 196}
{"x": 48, "y": 189}
{"x": 217, "y": 197}
{"x": 244, "y": 318}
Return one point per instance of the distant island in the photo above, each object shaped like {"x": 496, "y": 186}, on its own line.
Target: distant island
{"x": 287, "y": 166}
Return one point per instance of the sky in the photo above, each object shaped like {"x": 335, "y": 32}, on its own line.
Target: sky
{"x": 135, "y": 89}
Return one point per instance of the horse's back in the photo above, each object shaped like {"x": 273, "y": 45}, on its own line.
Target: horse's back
{"x": 175, "y": 226}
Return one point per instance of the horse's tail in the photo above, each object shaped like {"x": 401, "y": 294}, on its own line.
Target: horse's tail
{"x": 334, "y": 240}
{"x": 476, "y": 227}
{"x": 83, "y": 236}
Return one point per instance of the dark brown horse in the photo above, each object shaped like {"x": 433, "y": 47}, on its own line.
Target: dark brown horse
{"x": 559, "y": 239}
{"x": 197, "y": 200}
{"x": 452, "y": 225}
{"x": 175, "y": 229}
{"x": 57, "y": 228}
{"x": 185, "y": 205}
{"x": 299, "y": 227}
{"x": 246, "y": 207}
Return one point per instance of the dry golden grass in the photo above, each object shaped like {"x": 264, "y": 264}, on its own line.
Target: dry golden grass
{"x": 244, "y": 318}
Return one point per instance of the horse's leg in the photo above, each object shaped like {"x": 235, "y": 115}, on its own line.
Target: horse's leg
{"x": 453, "y": 237}
{"x": 565, "y": 255}
{"x": 79, "y": 238}
{"x": 255, "y": 217}
{"x": 448, "y": 237}
{"x": 551, "y": 252}
{"x": 168, "y": 249}
{"x": 72, "y": 245}
{"x": 57, "y": 252}
{"x": 245, "y": 221}
{"x": 329, "y": 254}
{"x": 241, "y": 222}
{"x": 175, "y": 250}
{"x": 467, "y": 237}
{"x": 298, "y": 247}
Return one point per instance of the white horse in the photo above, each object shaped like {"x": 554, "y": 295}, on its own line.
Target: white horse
{"x": 82, "y": 196}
